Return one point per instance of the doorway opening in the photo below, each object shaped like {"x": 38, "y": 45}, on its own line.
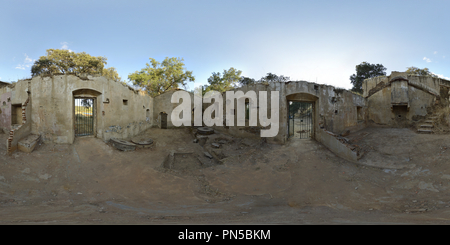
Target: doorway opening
{"x": 300, "y": 119}
{"x": 84, "y": 116}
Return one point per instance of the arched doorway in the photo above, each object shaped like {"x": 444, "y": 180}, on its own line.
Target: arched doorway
{"x": 301, "y": 115}
{"x": 85, "y": 112}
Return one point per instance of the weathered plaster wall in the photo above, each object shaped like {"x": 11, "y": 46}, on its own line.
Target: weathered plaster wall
{"x": 334, "y": 109}
{"x": 162, "y": 103}
{"x": 5, "y": 114}
{"x": 399, "y": 99}
{"x": 53, "y": 117}
{"x": 23, "y": 129}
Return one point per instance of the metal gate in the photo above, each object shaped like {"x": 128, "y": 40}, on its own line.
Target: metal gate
{"x": 84, "y": 116}
{"x": 300, "y": 122}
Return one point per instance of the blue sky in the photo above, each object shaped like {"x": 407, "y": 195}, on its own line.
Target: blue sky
{"x": 317, "y": 41}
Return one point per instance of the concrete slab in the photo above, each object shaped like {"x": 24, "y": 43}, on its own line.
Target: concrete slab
{"x": 123, "y": 145}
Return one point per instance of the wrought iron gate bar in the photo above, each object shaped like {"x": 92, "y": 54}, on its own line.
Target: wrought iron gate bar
{"x": 84, "y": 117}
{"x": 300, "y": 122}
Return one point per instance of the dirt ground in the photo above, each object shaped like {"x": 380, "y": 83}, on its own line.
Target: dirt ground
{"x": 403, "y": 178}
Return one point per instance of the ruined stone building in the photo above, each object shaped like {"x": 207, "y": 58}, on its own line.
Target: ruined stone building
{"x": 50, "y": 108}
{"x": 400, "y": 99}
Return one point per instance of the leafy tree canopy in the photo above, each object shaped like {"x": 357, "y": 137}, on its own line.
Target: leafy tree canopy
{"x": 246, "y": 81}
{"x": 111, "y": 73}
{"x": 65, "y": 61}
{"x": 422, "y": 72}
{"x": 222, "y": 82}
{"x": 270, "y": 77}
{"x": 364, "y": 71}
{"x": 158, "y": 77}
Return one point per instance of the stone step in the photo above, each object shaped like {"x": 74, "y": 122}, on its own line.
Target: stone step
{"x": 29, "y": 143}
{"x": 433, "y": 117}
{"x": 426, "y": 126}
{"x": 425, "y": 131}
{"x": 429, "y": 121}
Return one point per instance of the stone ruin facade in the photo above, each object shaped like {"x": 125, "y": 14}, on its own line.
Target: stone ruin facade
{"x": 43, "y": 109}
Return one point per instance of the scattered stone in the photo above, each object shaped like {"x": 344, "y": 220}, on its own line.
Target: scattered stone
{"x": 45, "y": 176}
{"x": 215, "y": 145}
{"x": 345, "y": 133}
{"x": 195, "y": 141}
{"x": 208, "y": 155}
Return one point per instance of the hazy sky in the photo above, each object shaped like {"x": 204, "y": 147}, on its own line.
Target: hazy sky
{"x": 317, "y": 41}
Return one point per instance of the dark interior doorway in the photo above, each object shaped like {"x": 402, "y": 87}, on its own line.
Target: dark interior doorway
{"x": 163, "y": 118}
{"x": 300, "y": 119}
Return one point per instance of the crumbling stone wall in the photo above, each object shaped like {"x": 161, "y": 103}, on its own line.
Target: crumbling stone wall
{"x": 400, "y": 99}
{"x": 5, "y": 112}
{"x": 52, "y": 113}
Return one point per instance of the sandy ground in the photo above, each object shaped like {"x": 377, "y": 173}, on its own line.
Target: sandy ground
{"x": 404, "y": 178}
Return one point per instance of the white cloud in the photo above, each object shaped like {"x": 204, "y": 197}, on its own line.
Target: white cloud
{"x": 27, "y": 63}
{"x": 65, "y": 46}
{"x": 435, "y": 52}
{"x": 427, "y": 59}
{"x": 442, "y": 76}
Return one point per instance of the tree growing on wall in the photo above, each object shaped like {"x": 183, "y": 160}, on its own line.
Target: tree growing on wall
{"x": 158, "y": 77}
{"x": 270, "y": 77}
{"x": 222, "y": 82}
{"x": 65, "y": 61}
{"x": 111, "y": 73}
{"x": 421, "y": 72}
{"x": 246, "y": 81}
{"x": 363, "y": 71}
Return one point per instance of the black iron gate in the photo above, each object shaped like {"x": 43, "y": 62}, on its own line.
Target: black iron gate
{"x": 84, "y": 117}
{"x": 300, "y": 122}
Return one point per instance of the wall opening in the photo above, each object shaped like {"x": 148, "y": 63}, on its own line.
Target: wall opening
{"x": 359, "y": 113}
{"x": 300, "y": 119}
{"x": 400, "y": 115}
{"x": 163, "y": 120}
{"x": 16, "y": 114}
{"x": 84, "y": 116}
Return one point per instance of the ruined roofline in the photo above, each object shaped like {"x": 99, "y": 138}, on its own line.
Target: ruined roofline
{"x": 407, "y": 75}
{"x": 83, "y": 76}
{"x": 336, "y": 89}
{"x": 170, "y": 91}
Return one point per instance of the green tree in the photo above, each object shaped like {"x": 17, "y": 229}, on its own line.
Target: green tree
{"x": 246, "y": 81}
{"x": 270, "y": 77}
{"x": 223, "y": 82}
{"x": 364, "y": 71}
{"x": 421, "y": 72}
{"x": 158, "y": 77}
{"x": 65, "y": 61}
{"x": 111, "y": 73}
